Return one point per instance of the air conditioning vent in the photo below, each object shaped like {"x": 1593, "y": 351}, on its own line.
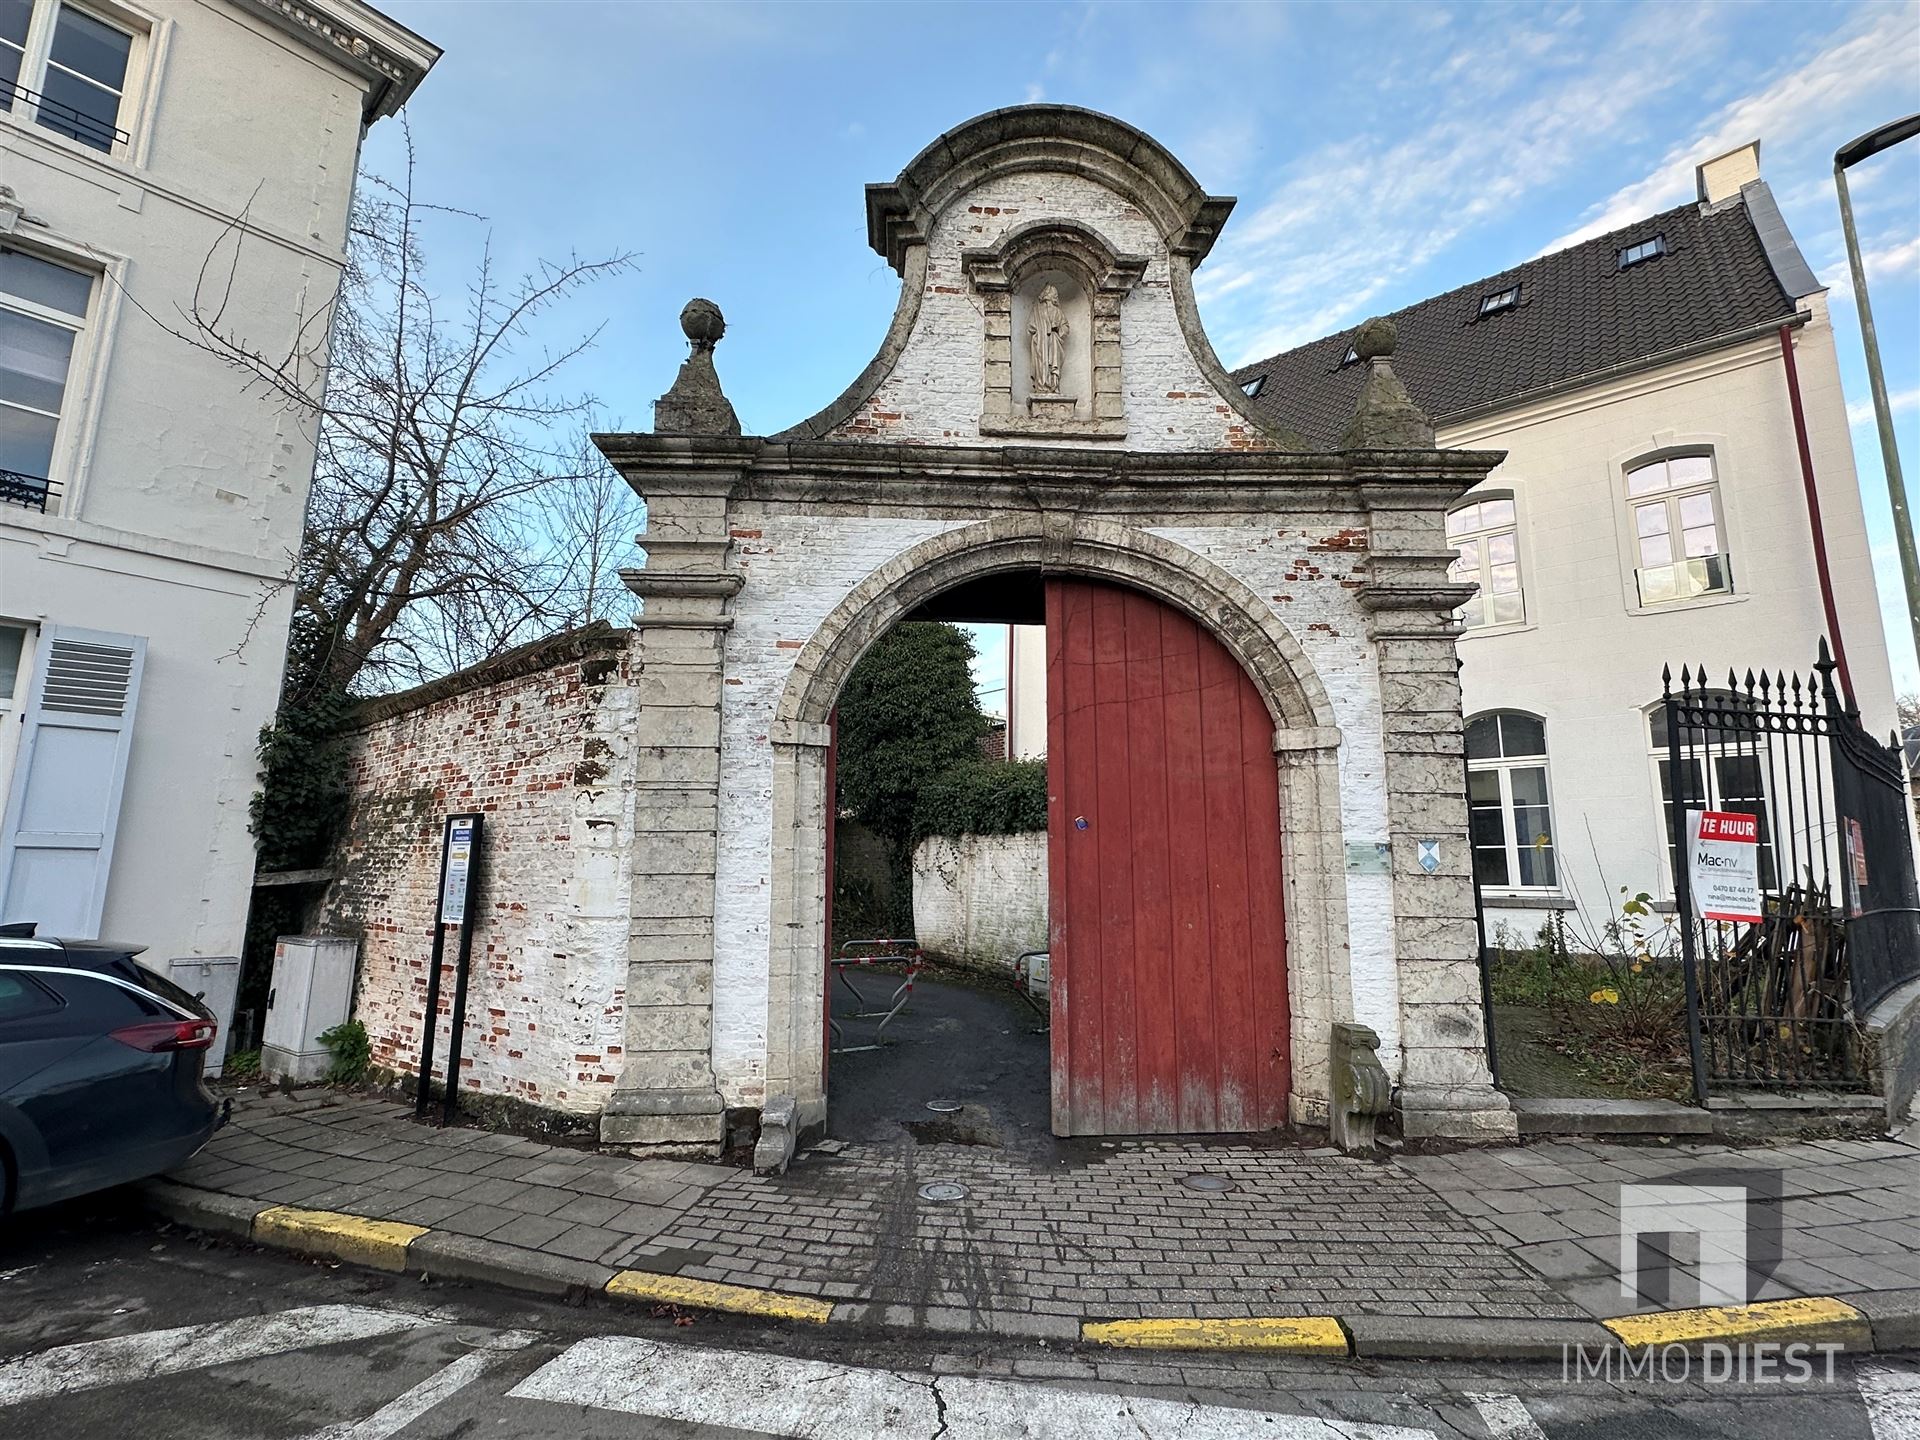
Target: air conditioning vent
{"x": 87, "y": 679}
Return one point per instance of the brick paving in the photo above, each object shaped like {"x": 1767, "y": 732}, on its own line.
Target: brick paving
{"x": 1522, "y": 1232}
{"x": 1304, "y": 1231}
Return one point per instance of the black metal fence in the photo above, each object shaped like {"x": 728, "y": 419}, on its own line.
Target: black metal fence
{"x": 1779, "y": 970}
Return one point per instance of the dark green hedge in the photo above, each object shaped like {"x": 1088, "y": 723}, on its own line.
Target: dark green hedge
{"x": 984, "y": 797}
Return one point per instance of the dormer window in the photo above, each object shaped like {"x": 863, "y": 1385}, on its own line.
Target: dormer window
{"x": 1500, "y": 300}
{"x": 1649, "y": 249}
{"x": 1348, "y": 358}
{"x": 1252, "y": 388}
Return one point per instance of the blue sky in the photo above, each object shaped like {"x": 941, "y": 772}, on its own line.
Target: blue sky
{"x": 1380, "y": 153}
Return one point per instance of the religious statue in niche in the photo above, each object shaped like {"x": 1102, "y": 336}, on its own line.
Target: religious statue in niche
{"x": 1047, "y": 343}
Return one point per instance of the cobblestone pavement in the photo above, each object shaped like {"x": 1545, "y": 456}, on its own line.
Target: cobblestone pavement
{"x": 1109, "y": 1232}
{"x": 1302, "y": 1231}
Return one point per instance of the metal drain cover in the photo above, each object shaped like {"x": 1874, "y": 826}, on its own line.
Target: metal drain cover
{"x": 941, "y": 1191}
{"x": 944, "y": 1107}
{"x": 1206, "y": 1182}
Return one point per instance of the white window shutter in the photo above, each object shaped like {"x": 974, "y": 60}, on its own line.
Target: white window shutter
{"x": 56, "y": 840}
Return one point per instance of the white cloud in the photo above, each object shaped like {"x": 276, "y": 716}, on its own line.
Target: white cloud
{"x": 1860, "y": 412}
{"x": 1347, "y": 221}
{"x": 1036, "y": 92}
{"x": 1801, "y": 99}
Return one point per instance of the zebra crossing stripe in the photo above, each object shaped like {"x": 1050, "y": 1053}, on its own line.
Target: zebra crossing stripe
{"x": 1892, "y": 1398}
{"x": 812, "y": 1400}
{"x": 92, "y": 1364}
{"x": 1506, "y": 1418}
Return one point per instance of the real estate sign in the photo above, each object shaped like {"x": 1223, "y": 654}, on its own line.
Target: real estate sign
{"x": 1723, "y": 864}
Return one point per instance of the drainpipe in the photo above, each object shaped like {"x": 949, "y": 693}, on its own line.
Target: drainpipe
{"x": 1813, "y": 512}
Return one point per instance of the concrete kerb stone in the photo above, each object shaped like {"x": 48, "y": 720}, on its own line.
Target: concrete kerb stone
{"x": 1894, "y": 1316}
{"x": 203, "y": 1209}
{"x": 1424, "y": 1337}
{"x": 442, "y": 1256}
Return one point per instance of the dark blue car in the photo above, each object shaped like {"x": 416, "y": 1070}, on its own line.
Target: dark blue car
{"x": 102, "y": 1068}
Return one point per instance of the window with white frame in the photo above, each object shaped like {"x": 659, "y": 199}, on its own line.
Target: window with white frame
{"x": 1736, "y": 766}
{"x": 1484, "y": 534}
{"x": 1510, "y": 816}
{"x": 65, "y": 67}
{"x": 43, "y": 311}
{"x": 15, "y": 669}
{"x": 1679, "y": 541}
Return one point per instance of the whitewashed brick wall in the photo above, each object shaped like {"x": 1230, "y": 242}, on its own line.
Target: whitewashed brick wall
{"x": 933, "y": 396}
{"x": 546, "y": 758}
{"x": 981, "y": 899}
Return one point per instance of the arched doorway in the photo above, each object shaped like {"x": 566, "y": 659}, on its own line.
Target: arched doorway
{"x": 1277, "y": 698}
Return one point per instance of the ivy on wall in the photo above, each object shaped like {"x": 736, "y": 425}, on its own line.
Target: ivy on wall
{"x": 984, "y": 797}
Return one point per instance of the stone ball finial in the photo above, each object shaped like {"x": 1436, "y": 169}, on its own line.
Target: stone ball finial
{"x": 1375, "y": 339}
{"x": 703, "y": 324}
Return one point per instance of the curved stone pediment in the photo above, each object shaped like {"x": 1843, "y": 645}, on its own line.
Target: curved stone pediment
{"x": 1066, "y": 198}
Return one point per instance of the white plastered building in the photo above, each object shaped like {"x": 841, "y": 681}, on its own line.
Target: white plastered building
{"x": 151, "y": 504}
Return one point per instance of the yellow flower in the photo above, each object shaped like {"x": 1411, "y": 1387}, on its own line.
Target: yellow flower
{"x": 1605, "y": 995}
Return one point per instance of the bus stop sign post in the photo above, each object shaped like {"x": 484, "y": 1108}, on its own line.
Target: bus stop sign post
{"x": 459, "y": 854}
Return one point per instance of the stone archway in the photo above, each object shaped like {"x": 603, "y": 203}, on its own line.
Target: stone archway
{"x": 1305, "y": 742}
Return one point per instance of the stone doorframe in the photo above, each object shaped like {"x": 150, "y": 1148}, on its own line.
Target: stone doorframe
{"x": 1306, "y": 742}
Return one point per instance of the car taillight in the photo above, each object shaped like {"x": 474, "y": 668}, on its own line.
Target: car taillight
{"x": 157, "y": 1035}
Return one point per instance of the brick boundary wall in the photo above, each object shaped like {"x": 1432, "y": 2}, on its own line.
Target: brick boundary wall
{"x": 537, "y": 741}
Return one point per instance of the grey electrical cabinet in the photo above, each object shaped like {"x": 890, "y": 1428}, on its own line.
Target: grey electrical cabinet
{"x": 216, "y": 980}
{"x": 312, "y": 992}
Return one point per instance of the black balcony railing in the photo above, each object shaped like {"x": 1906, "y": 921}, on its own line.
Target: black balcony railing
{"x": 64, "y": 119}
{"x": 35, "y": 492}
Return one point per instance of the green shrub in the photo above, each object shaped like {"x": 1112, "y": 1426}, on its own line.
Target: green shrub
{"x": 351, "y": 1053}
{"x": 984, "y": 797}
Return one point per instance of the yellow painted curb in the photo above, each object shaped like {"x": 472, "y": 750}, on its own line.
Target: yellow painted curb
{"x": 712, "y": 1295}
{"x": 1810, "y": 1320}
{"x": 1295, "y": 1335}
{"x": 378, "y": 1244}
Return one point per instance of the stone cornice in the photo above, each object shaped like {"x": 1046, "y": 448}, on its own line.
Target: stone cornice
{"x": 688, "y": 464}
{"x": 391, "y": 58}
{"x": 682, "y": 585}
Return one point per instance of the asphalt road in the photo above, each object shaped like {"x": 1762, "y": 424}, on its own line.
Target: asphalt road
{"x": 112, "y": 1324}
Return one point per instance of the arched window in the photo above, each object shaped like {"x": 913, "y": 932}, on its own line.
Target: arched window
{"x": 1484, "y": 534}
{"x": 1509, "y": 813}
{"x": 1679, "y": 540}
{"x": 1738, "y": 772}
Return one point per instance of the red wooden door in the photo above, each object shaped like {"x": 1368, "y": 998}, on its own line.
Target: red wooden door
{"x": 1169, "y": 973}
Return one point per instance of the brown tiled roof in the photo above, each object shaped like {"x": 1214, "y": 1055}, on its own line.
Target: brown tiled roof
{"x": 1579, "y": 314}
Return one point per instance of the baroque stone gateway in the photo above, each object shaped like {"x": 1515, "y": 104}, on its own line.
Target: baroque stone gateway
{"x": 1044, "y": 405}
